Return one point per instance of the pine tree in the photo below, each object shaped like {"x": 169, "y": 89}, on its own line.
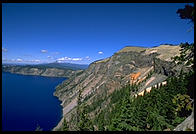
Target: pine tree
{"x": 85, "y": 124}
{"x": 65, "y": 125}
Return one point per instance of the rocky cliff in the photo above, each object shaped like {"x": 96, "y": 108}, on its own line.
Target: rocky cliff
{"x": 105, "y": 76}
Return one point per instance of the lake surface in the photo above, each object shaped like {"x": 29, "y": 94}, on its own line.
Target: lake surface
{"x": 28, "y": 102}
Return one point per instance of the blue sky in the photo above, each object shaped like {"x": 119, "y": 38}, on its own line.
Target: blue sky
{"x": 84, "y": 32}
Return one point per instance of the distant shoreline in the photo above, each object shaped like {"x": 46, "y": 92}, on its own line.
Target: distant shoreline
{"x": 34, "y": 74}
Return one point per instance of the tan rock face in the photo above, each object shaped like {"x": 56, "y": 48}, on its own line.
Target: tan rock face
{"x": 70, "y": 106}
{"x": 149, "y": 81}
{"x": 165, "y": 51}
{"x": 134, "y": 49}
{"x": 91, "y": 86}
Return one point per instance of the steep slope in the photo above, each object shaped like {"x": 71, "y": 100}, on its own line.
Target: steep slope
{"x": 105, "y": 76}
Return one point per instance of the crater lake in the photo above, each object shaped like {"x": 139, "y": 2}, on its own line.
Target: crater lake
{"x": 28, "y": 102}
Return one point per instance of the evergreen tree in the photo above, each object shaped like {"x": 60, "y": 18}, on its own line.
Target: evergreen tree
{"x": 85, "y": 124}
{"x": 65, "y": 125}
{"x": 187, "y": 13}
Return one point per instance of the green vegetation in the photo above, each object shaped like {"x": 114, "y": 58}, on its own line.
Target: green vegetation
{"x": 187, "y": 54}
{"x": 117, "y": 95}
{"x": 183, "y": 104}
{"x": 161, "y": 109}
{"x": 94, "y": 105}
{"x": 187, "y": 13}
{"x": 65, "y": 125}
{"x": 84, "y": 123}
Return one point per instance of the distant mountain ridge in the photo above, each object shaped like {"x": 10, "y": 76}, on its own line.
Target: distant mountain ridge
{"x": 65, "y": 65}
{"x": 71, "y": 66}
{"x": 49, "y": 69}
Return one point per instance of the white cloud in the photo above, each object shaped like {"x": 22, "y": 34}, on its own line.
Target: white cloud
{"x": 68, "y": 59}
{"x": 19, "y": 60}
{"x": 100, "y": 52}
{"x": 22, "y": 60}
{"x": 77, "y": 59}
{"x": 35, "y": 60}
{"x": 44, "y": 51}
{"x": 32, "y": 60}
{"x": 59, "y": 61}
{"x": 64, "y": 59}
{"x": 4, "y": 49}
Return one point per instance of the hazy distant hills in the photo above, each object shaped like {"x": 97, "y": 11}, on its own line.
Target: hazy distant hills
{"x": 66, "y": 65}
{"x": 52, "y": 65}
{"x": 49, "y": 69}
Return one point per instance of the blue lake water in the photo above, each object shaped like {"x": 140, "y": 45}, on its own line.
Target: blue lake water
{"x": 28, "y": 101}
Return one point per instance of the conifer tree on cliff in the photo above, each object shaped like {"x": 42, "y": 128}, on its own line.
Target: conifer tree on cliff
{"x": 188, "y": 14}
